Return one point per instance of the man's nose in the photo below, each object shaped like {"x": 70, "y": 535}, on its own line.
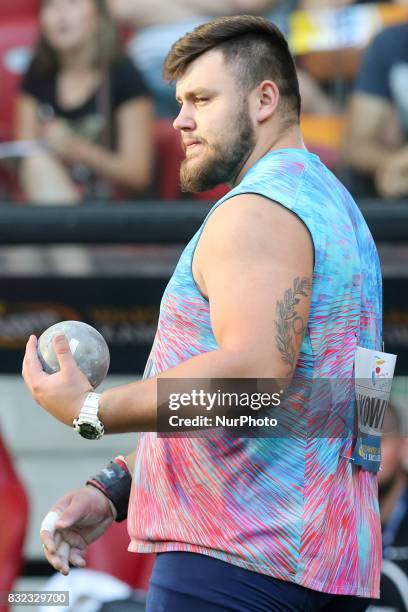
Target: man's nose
{"x": 184, "y": 121}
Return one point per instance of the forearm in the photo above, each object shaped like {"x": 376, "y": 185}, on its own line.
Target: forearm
{"x": 367, "y": 157}
{"x": 112, "y": 165}
{"x": 133, "y": 407}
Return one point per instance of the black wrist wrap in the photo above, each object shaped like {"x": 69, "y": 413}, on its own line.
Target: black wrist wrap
{"x": 115, "y": 482}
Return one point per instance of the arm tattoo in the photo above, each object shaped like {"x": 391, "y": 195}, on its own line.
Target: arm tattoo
{"x": 289, "y": 324}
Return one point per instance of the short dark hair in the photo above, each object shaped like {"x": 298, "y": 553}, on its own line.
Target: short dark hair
{"x": 254, "y": 45}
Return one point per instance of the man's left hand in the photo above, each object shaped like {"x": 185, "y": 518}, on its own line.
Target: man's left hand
{"x": 63, "y": 393}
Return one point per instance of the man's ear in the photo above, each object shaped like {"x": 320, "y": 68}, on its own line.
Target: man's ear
{"x": 268, "y": 97}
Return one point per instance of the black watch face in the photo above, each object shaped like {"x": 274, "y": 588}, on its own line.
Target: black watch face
{"x": 88, "y": 431}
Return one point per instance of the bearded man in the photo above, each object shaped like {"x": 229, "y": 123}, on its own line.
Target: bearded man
{"x": 281, "y": 279}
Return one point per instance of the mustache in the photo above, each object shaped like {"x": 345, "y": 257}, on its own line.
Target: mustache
{"x": 190, "y": 139}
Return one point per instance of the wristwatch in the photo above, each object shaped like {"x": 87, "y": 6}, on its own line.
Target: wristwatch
{"x": 87, "y": 424}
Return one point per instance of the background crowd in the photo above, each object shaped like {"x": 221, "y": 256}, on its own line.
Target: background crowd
{"x": 86, "y": 114}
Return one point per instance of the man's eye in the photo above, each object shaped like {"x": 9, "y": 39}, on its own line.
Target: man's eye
{"x": 200, "y": 100}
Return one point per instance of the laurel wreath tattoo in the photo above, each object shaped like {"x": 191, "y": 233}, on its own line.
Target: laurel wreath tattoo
{"x": 289, "y": 323}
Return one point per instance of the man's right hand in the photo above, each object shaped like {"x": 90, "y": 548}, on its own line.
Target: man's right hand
{"x": 84, "y": 515}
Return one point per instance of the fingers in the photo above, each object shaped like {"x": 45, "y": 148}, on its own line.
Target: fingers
{"x": 60, "y": 554}
{"x": 56, "y": 550}
{"x": 63, "y": 552}
{"x": 76, "y": 558}
{"x": 63, "y": 352}
{"x": 48, "y": 542}
{"x": 49, "y": 521}
{"x": 32, "y": 369}
{"x": 60, "y": 535}
{"x": 70, "y": 515}
{"x": 54, "y": 560}
{"x": 50, "y": 539}
{"x": 68, "y": 553}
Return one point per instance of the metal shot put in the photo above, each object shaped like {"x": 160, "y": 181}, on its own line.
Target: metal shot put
{"x": 87, "y": 345}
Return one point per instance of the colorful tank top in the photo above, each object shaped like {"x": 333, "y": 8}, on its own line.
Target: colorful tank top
{"x": 297, "y": 511}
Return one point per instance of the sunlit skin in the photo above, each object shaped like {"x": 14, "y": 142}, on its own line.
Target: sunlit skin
{"x": 211, "y": 100}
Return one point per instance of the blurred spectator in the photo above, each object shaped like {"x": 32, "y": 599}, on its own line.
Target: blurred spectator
{"x": 324, "y": 4}
{"x": 14, "y": 511}
{"x": 87, "y": 104}
{"x": 315, "y": 100}
{"x": 393, "y": 496}
{"x": 376, "y": 144}
{"x": 160, "y": 23}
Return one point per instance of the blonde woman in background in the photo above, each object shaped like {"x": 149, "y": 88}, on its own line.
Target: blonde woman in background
{"x": 88, "y": 107}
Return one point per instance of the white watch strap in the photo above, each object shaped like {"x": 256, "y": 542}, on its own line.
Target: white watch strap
{"x": 90, "y": 406}
{"x": 89, "y": 413}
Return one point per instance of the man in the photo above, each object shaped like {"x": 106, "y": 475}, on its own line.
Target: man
{"x": 377, "y": 139}
{"x": 393, "y": 495}
{"x": 282, "y": 279}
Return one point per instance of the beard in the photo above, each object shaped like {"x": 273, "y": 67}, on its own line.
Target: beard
{"x": 224, "y": 161}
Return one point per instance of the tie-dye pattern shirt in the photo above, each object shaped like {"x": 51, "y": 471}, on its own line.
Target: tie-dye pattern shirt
{"x": 294, "y": 509}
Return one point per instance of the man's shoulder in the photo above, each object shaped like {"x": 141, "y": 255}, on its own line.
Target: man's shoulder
{"x": 251, "y": 219}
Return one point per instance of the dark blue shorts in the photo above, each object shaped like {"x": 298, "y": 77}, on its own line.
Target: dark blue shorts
{"x": 189, "y": 582}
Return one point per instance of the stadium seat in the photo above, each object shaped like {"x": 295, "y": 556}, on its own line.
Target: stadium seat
{"x": 17, "y": 37}
{"x": 13, "y": 522}
{"x": 18, "y": 8}
{"x": 169, "y": 155}
{"x": 109, "y": 554}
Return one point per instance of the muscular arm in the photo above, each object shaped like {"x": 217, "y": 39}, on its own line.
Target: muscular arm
{"x": 251, "y": 259}
{"x": 249, "y": 256}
